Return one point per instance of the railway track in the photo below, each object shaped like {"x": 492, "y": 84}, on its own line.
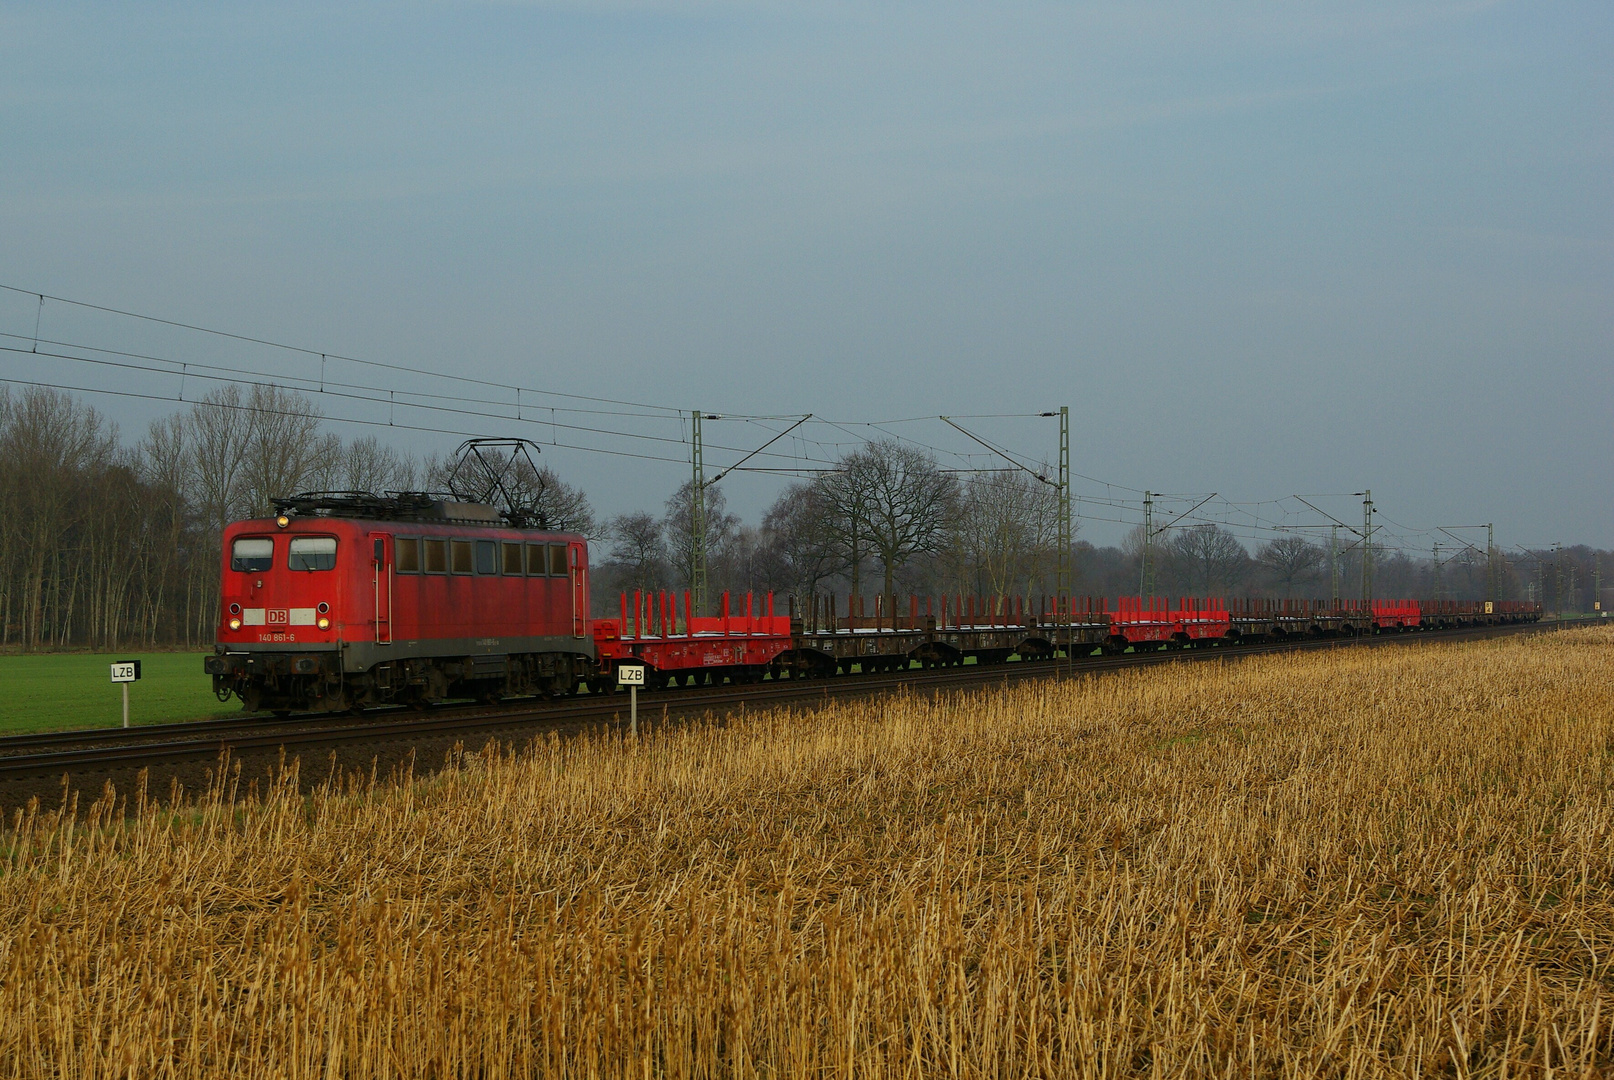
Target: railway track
{"x": 29, "y": 761}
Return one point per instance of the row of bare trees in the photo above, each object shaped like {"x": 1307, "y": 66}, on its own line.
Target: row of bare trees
{"x": 888, "y": 519}
{"x": 104, "y": 542}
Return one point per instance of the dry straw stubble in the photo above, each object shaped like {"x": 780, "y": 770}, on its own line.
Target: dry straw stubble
{"x": 1365, "y": 862}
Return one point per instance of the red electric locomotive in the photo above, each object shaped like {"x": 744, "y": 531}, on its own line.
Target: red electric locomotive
{"x": 346, "y": 600}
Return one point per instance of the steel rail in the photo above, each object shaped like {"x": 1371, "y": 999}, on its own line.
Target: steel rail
{"x": 168, "y": 743}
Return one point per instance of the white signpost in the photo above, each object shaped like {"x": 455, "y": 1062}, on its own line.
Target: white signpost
{"x": 126, "y": 672}
{"x": 631, "y": 676}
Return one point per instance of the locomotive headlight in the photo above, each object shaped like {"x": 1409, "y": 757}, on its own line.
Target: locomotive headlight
{"x": 235, "y": 624}
{"x": 324, "y": 623}
{"x": 282, "y": 521}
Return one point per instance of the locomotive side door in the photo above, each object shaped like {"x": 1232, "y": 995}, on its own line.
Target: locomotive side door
{"x": 579, "y": 588}
{"x": 381, "y": 585}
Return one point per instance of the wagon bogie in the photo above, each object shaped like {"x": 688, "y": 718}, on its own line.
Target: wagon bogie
{"x": 1035, "y": 648}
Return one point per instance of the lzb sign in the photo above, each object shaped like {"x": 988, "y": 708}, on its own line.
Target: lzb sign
{"x": 630, "y": 675}
{"x": 126, "y": 671}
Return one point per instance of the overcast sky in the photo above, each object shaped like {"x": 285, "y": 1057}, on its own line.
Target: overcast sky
{"x": 1260, "y": 248}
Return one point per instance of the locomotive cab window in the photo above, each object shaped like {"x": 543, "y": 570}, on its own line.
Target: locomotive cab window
{"x": 312, "y": 553}
{"x": 252, "y": 555}
{"x": 557, "y": 560}
{"x": 512, "y": 560}
{"x": 436, "y": 556}
{"x": 487, "y": 557}
{"x": 406, "y": 555}
{"x": 537, "y": 560}
{"x": 461, "y": 552}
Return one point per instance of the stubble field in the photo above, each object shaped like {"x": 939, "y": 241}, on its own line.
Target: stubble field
{"x": 1359, "y": 863}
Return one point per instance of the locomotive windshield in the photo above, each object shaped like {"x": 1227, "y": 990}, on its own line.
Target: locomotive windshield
{"x": 252, "y": 555}
{"x": 312, "y": 553}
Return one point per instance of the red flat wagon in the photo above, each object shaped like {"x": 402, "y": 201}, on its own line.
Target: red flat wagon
{"x": 1397, "y": 614}
{"x": 1136, "y": 622}
{"x": 740, "y": 646}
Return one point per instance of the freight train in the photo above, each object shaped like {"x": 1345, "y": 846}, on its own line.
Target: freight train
{"x": 348, "y": 600}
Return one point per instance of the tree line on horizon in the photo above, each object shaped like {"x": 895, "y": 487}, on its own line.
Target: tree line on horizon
{"x": 106, "y": 543}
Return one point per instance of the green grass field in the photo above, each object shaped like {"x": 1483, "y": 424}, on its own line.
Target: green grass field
{"x": 61, "y": 691}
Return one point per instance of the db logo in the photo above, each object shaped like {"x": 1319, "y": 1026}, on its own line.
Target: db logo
{"x": 278, "y": 617}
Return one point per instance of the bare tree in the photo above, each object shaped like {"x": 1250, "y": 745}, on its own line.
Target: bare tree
{"x": 907, "y": 503}
{"x": 1132, "y": 547}
{"x": 367, "y": 465}
{"x": 798, "y": 530}
{"x": 108, "y": 547}
{"x": 220, "y": 432}
{"x": 285, "y": 450}
{"x": 165, "y": 469}
{"x": 1007, "y": 529}
{"x": 721, "y": 528}
{"x": 1209, "y": 557}
{"x": 637, "y": 543}
{"x": 1290, "y": 560}
{"x": 49, "y": 445}
{"x": 750, "y": 563}
{"x": 562, "y": 505}
{"x": 1395, "y": 575}
{"x": 843, "y": 506}
{"x": 435, "y": 470}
